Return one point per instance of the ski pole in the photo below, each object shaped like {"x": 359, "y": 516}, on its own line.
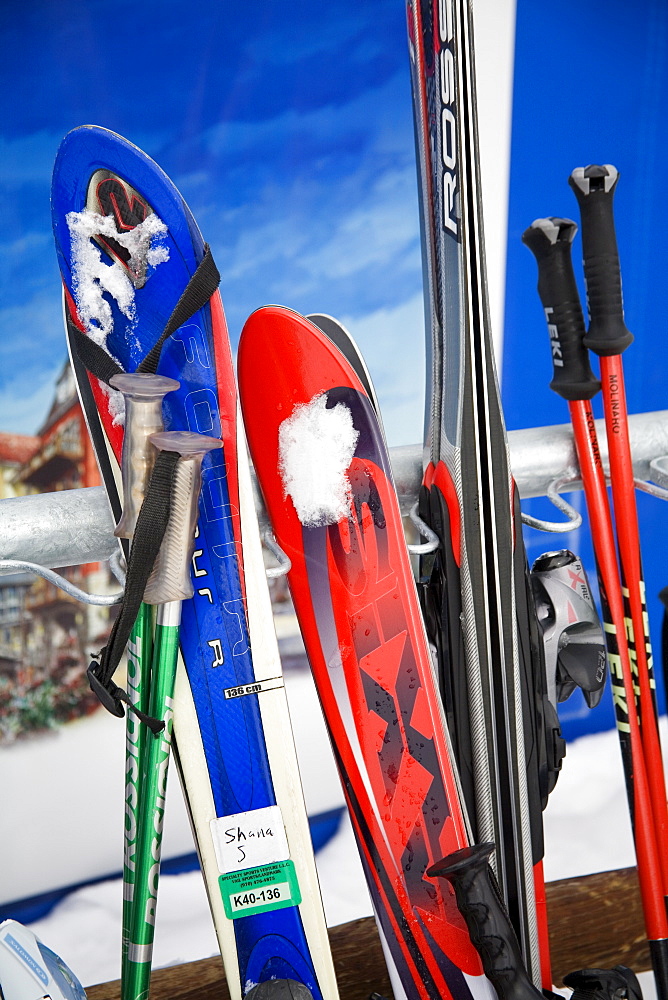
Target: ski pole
{"x": 550, "y": 241}
{"x": 143, "y": 394}
{"x": 168, "y": 585}
{"x": 480, "y": 904}
{"x": 608, "y": 336}
{"x": 139, "y": 653}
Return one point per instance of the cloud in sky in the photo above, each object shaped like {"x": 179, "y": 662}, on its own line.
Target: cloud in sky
{"x": 27, "y": 370}
{"x": 25, "y": 405}
{"x": 192, "y": 64}
{"x": 383, "y": 337}
{"x": 315, "y": 210}
{"x": 287, "y": 126}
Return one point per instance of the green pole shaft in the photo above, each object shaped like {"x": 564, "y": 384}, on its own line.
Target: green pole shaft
{"x": 150, "y": 820}
{"x": 138, "y": 686}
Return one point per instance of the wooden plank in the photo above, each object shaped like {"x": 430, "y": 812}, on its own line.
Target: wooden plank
{"x": 358, "y": 960}
{"x": 595, "y": 922}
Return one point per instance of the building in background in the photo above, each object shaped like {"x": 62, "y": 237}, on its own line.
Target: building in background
{"x": 15, "y": 451}
{"x": 46, "y": 636}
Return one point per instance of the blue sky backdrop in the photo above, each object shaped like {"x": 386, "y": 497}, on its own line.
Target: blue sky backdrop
{"x": 288, "y": 128}
{"x": 591, "y": 86}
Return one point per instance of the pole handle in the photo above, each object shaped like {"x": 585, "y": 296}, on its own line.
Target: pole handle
{"x": 594, "y": 188}
{"x": 480, "y": 903}
{"x": 143, "y": 416}
{"x": 550, "y": 242}
{"x": 170, "y": 578}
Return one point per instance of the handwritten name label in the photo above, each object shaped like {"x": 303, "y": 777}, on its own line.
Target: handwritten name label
{"x": 249, "y": 839}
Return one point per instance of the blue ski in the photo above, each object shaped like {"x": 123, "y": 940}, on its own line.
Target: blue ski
{"x": 128, "y": 247}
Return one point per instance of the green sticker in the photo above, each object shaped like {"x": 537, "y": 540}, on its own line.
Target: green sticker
{"x": 255, "y": 890}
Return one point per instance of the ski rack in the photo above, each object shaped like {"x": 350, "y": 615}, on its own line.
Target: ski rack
{"x": 543, "y": 460}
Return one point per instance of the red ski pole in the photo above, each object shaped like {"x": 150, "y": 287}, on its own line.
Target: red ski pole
{"x": 550, "y": 240}
{"x": 594, "y": 187}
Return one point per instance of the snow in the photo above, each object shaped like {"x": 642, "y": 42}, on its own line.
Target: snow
{"x": 91, "y": 277}
{"x": 316, "y": 446}
{"x": 587, "y": 825}
{"x": 85, "y": 929}
{"x": 586, "y": 830}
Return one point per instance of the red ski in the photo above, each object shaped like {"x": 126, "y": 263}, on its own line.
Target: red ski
{"x": 355, "y": 597}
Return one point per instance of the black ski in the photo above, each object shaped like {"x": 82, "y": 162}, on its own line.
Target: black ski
{"x": 475, "y": 589}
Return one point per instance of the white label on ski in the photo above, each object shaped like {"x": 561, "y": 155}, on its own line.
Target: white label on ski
{"x": 255, "y": 687}
{"x": 249, "y": 839}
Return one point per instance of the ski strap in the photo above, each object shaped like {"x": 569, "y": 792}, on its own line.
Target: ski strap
{"x": 151, "y": 527}
{"x": 156, "y": 508}
{"x": 201, "y": 286}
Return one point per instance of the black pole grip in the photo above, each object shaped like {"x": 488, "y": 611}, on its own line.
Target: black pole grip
{"x": 594, "y": 188}
{"x": 550, "y": 242}
{"x": 480, "y": 903}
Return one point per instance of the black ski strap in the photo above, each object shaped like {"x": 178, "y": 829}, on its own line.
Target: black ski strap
{"x": 150, "y": 530}
{"x": 93, "y": 356}
{"x": 156, "y": 508}
{"x": 201, "y": 286}
{"x": 196, "y": 294}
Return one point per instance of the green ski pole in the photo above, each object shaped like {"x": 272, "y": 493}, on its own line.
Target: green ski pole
{"x": 168, "y": 585}
{"x": 143, "y": 395}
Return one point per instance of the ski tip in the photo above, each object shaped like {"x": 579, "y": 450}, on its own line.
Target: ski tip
{"x": 274, "y": 310}
{"x": 96, "y": 136}
{"x": 90, "y": 128}
{"x": 88, "y": 153}
{"x": 276, "y": 320}
{"x": 272, "y": 333}
{"x": 342, "y": 338}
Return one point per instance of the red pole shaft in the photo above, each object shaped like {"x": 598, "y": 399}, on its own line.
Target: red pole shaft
{"x": 543, "y": 926}
{"x": 628, "y": 540}
{"x": 647, "y": 852}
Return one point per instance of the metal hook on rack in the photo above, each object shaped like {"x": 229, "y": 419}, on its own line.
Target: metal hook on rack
{"x": 117, "y": 565}
{"x": 22, "y": 566}
{"x": 659, "y": 487}
{"x": 654, "y": 490}
{"x": 283, "y": 560}
{"x": 574, "y": 517}
{"x": 432, "y": 542}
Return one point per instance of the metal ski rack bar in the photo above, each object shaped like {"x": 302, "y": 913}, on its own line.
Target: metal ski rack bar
{"x": 72, "y": 527}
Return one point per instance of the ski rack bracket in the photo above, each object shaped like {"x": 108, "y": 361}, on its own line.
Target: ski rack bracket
{"x": 11, "y": 566}
{"x": 284, "y": 563}
{"x": 540, "y": 455}
{"x": 573, "y": 517}
{"x": 31, "y": 527}
{"x": 431, "y": 542}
